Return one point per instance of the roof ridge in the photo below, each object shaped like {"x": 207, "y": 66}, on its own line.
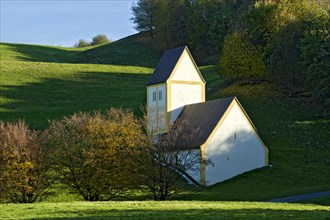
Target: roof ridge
{"x": 214, "y": 100}
{"x": 205, "y": 116}
{"x": 166, "y": 64}
{"x": 176, "y": 48}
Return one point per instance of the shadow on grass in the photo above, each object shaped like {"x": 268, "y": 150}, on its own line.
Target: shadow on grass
{"x": 52, "y": 98}
{"x": 189, "y": 214}
{"x": 129, "y": 51}
{"x": 39, "y": 53}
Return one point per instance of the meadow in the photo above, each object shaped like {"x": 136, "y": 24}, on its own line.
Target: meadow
{"x": 41, "y": 83}
{"x": 38, "y": 83}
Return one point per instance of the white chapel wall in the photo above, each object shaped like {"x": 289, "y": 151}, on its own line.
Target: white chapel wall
{"x": 234, "y": 149}
{"x": 186, "y": 70}
{"x": 184, "y": 94}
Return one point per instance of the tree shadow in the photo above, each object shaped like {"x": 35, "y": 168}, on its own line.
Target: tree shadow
{"x": 38, "y": 53}
{"x": 129, "y": 51}
{"x": 52, "y": 98}
{"x": 132, "y": 50}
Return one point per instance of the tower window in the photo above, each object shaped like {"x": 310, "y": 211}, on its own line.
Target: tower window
{"x": 153, "y": 96}
{"x": 160, "y": 95}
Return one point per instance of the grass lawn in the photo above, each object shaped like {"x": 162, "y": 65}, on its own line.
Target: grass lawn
{"x": 320, "y": 201}
{"x": 40, "y": 83}
{"x": 39, "y": 91}
{"x": 164, "y": 210}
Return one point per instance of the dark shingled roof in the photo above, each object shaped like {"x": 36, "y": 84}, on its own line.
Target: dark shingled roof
{"x": 204, "y": 117}
{"x": 165, "y": 66}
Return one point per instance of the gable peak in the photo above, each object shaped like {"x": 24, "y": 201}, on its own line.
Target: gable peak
{"x": 167, "y": 64}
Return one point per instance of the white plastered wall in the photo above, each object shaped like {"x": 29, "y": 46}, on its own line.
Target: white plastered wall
{"x": 186, "y": 70}
{"x": 234, "y": 149}
{"x": 186, "y": 86}
{"x": 184, "y": 94}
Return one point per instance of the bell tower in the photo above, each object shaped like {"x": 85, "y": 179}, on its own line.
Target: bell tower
{"x": 176, "y": 82}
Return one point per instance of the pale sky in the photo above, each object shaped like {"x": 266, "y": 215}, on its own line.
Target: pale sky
{"x": 63, "y": 22}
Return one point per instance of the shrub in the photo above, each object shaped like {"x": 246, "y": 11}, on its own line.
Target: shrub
{"x": 93, "y": 152}
{"x": 82, "y": 43}
{"x": 24, "y": 165}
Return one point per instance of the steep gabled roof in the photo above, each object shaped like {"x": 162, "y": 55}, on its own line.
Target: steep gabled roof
{"x": 204, "y": 117}
{"x": 166, "y": 65}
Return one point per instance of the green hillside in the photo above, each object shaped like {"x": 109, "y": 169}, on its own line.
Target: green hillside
{"x": 37, "y": 91}
{"x": 38, "y": 53}
{"x": 134, "y": 50}
{"x": 38, "y": 83}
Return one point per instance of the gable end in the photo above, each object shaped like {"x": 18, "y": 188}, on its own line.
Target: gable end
{"x": 178, "y": 65}
{"x": 223, "y": 117}
{"x": 168, "y": 63}
{"x": 165, "y": 66}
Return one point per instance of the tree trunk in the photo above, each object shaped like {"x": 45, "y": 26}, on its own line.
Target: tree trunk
{"x": 162, "y": 197}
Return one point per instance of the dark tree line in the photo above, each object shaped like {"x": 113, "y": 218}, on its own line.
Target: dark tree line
{"x": 202, "y": 25}
{"x": 286, "y": 41}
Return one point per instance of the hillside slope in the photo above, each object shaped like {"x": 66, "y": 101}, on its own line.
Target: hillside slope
{"x": 38, "y": 53}
{"x": 38, "y": 83}
{"x": 38, "y": 92}
{"x": 134, "y": 50}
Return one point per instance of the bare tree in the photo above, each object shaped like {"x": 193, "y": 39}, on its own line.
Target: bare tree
{"x": 167, "y": 161}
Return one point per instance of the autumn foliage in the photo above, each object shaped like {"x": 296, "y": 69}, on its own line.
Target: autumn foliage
{"x": 24, "y": 166}
{"x": 93, "y": 153}
{"x": 100, "y": 156}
